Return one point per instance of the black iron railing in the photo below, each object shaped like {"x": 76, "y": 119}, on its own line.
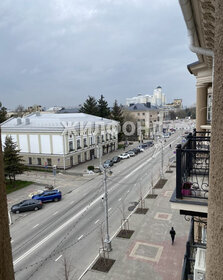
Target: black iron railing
{"x": 192, "y": 166}
{"x": 192, "y": 245}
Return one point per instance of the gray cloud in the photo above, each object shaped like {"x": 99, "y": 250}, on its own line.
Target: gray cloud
{"x": 58, "y": 52}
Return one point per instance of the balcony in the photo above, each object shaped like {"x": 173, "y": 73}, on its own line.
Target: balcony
{"x": 192, "y": 175}
{"x": 194, "y": 258}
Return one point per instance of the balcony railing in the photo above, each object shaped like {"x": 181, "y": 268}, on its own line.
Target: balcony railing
{"x": 192, "y": 166}
{"x": 192, "y": 246}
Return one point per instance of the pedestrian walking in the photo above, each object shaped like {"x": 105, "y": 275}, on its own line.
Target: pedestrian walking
{"x": 172, "y": 234}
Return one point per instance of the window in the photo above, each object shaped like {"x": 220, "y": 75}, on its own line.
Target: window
{"x": 78, "y": 143}
{"x": 49, "y": 162}
{"x": 91, "y": 140}
{"x": 102, "y": 138}
{"x": 39, "y": 161}
{"x": 138, "y": 114}
{"x": 71, "y": 146}
{"x": 98, "y": 139}
{"x": 143, "y": 114}
{"x": 85, "y": 142}
{"x": 30, "y": 160}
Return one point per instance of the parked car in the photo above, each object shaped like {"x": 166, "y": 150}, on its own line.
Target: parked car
{"x": 116, "y": 159}
{"x": 136, "y": 150}
{"x": 149, "y": 143}
{"x": 54, "y": 195}
{"x": 131, "y": 153}
{"x": 108, "y": 163}
{"x": 124, "y": 156}
{"x": 27, "y": 205}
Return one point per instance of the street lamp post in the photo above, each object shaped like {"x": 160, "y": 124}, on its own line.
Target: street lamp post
{"x": 107, "y": 241}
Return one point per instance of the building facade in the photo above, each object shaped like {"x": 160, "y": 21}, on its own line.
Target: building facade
{"x": 149, "y": 119}
{"x": 64, "y": 140}
{"x": 199, "y": 175}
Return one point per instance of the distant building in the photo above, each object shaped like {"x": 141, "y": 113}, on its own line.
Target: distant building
{"x": 63, "y": 140}
{"x": 175, "y": 105}
{"x": 157, "y": 99}
{"x": 150, "y": 118}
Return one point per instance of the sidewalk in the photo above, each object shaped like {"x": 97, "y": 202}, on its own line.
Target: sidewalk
{"x": 148, "y": 254}
{"x": 81, "y": 168}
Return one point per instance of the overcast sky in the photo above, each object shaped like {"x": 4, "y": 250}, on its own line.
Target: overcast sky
{"x": 57, "y": 52}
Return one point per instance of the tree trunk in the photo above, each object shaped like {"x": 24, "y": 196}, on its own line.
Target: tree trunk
{"x": 6, "y": 265}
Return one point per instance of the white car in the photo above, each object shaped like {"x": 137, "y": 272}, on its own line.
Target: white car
{"x": 124, "y": 156}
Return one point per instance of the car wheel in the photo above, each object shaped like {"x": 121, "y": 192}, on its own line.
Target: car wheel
{"x": 55, "y": 199}
{"x": 36, "y": 208}
{"x": 17, "y": 211}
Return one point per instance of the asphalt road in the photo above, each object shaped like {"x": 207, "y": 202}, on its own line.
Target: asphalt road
{"x": 71, "y": 230}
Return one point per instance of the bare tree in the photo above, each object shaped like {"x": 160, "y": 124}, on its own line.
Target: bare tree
{"x": 67, "y": 273}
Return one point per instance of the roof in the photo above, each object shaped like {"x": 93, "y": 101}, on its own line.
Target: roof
{"x": 69, "y": 110}
{"x": 141, "y": 107}
{"x": 54, "y": 122}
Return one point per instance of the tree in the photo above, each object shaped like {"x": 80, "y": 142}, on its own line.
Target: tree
{"x": 90, "y": 106}
{"x": 3, "y": 113}
{"x": 103, "y": 109}
{"x": 117, "y": 115}
{"x": 6, "y": 265}
{"x": 12, "y": 159}
{"x": 20, "y": 110}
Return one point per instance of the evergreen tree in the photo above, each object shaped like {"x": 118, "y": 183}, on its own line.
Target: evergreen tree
{"x": 103, "y": 109}
{"x": 90, "y": 106}
{"x": 117, "y": 115}
{"x": 3, "y": 113}
{"x": 13, "y": 161}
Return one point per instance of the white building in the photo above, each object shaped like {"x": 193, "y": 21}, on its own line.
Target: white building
{"x": 157, "y": 99}
{"x": 63, "y": 140}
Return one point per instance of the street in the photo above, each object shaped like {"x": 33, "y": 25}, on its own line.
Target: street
{"x": 71, "y": 229}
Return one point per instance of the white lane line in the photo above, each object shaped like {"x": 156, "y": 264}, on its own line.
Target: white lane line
{"x": 58, "y": 258}
{"x": 55, "y": 213}
{"x": 79, "y": 238}
{"x": 109, "y": 209}
{"x": 55, "y": 232}
{"x": 96, "y": 221}
{"x": 71, "y": 202}
{"x": 36, "y": 225}
{"x": 73, "y": 218}
{"x": 120, "y": 199}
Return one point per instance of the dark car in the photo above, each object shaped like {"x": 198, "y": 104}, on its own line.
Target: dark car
{"x": 149, "y": 143}
{"x": 27, "y": 205}
{"x": 108, "y": 163}
{"x": 54, "y": 195}
{"x": 136, "y": 150}
{"x": 116, "y": 159}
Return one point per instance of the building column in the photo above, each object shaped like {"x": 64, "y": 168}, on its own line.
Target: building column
{"x": 214, "y": 258}
{"x": 201, "y": 107}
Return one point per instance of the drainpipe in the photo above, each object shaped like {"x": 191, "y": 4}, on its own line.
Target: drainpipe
{"x": 188, "y": 17}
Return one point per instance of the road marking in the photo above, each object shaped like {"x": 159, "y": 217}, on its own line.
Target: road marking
{"x": 44, "y": 240}
{"x": 55, "y": 213}
{"x": 109, "y": 209}
{"x": 79, "y": 238}
{"x": 71, "y": 202}
{"x": 96, "y": 222}
{"x": 58, "y": 258}
{"x": 36, "y": 225}
{"x": 120, "y": 199}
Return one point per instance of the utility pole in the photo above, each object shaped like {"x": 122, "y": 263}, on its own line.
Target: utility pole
{"x": 107, "y": 240}
{"x": 162, "y": 159}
